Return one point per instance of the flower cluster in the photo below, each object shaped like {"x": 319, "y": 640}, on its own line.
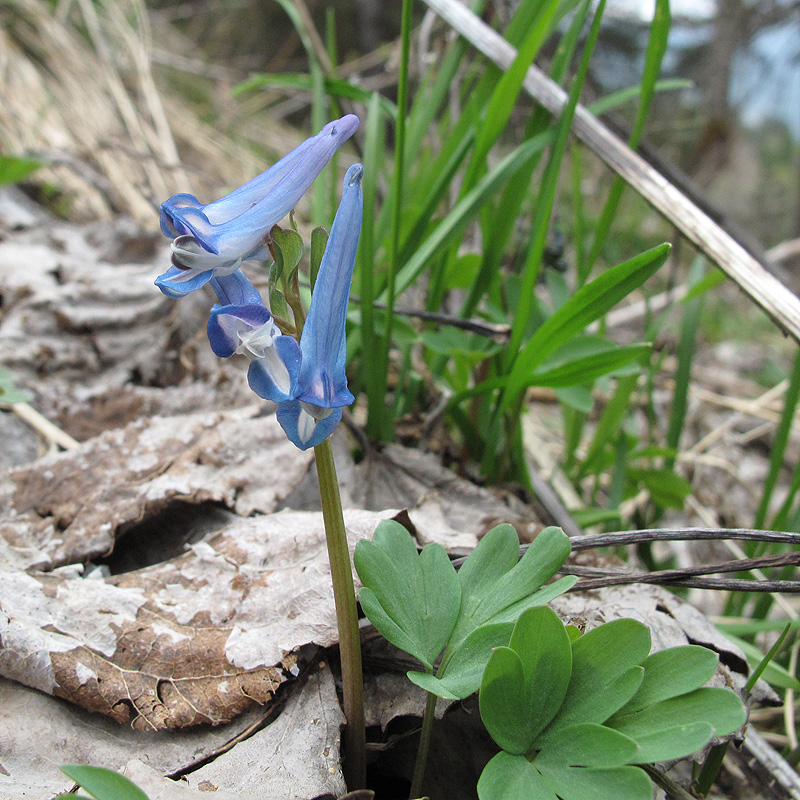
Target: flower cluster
{"x": 307, "y": 378}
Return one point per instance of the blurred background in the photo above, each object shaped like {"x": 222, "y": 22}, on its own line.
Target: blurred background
{"x": 125, "y": 102}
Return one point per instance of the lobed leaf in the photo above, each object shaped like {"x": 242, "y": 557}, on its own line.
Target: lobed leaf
{"x": 525, "y": 683}
{"x": 672, "y": 672}
{"x": 465, "y": 668}
{"x": 606, "y": 673}
{"x": 588, "y": 744}
{"x": 509, "y": 777}
{"x": 617, "y": 783}
{"x": 662, "y": 731}
{"x": 502, "y": 702}
{"x": 491, "y": 587}
{"x": 412, "y": 599}
{"x": 545, "y": 649}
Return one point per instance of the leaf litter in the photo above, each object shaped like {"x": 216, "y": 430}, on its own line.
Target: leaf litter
{"x": 182, "y": 643}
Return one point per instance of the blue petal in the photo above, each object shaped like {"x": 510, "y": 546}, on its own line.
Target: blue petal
{"x": 243, "y": 234}
{"x": 236, "y": 290}
{"x": 173, "y": 282}
{"x": 302, "y": 429}
{"x": 171, "y": 210}
{"x": 323, "y": 381}
{"x": 225, "y": 322}
{"x": 274, "y": 377}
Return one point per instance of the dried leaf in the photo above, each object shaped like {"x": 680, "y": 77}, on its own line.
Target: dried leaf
{"x": 296, "y": 756}
{"x": 70, "y": 507}
{"x": 196, "y": 639}
{"x": 29, "y": 718}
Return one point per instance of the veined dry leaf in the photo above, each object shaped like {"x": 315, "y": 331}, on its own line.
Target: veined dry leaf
{"x": 70, "y": 507}
{"x": 39, "y": 732}
{"x": 196, "y": 639}
{"x": 297, "y": 755}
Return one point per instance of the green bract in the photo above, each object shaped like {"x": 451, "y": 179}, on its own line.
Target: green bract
{"x": 421, "y": 604}
{"x": 575, "y": 715}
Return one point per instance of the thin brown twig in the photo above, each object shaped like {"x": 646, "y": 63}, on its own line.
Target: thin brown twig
{"x": 618, "y": 538}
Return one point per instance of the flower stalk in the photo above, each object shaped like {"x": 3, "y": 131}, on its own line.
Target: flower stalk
{"x": 346, "y": 617}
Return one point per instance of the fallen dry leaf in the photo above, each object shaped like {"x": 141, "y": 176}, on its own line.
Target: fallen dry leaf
{"x": 295, "y": 756}
{"x": 39, "y": 732}
{"x": 196, "y": 639}
{"x": 70, "y": 507}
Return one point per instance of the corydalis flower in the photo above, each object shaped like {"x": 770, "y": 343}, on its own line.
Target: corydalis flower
{"x": 315, "y": 368}
{"x": 212, "y": 240}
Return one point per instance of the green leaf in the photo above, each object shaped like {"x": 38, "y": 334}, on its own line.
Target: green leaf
{"x": 465, "y": 210}
{"x": 504, "y": 96}
{"x": 672, "y": 672}
{"x": 544, "y": 647}
{"x": 666, "y": 488}
{"x": 674, "y": 728}
{"x": 334, "y": 87}
{"x": 104, "y": 784}
{"x": 589, "y": 368}
{"x": 289, "y": 249}
{"x": 412, "y": 599}
{"x": 589, "y": 303}
{"x": 606, "y": 673}
{"x": 497, "y": 587}
{"x": 465, "y": 669}
{"x": 580, "y": 783}
{"x": 587, "y": 744}
{"x": 503, "y": 705}
{"x": 509, "y": 777}
{"x": 15, "y": 169}
{"x": 319, "y": 240}
{"x": 577, "y": 397}
{"x": 278, "y": 304}
{"x": 8, "y": 391}
{"x": 525, "y": 683}
{"x": 774, "y": 674}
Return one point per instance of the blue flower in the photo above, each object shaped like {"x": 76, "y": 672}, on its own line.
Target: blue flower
{"x": 212, "y": 240}
{"x": 312, "y": 407}
{"x": 241, "y": 323}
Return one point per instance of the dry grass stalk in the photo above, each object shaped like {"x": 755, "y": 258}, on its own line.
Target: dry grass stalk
{"x": 79, "y": 93}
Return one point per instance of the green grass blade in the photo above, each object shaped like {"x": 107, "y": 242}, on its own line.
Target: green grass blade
{"x": 609, "y": 425}
{"x": 656, "y": 47}
{"x": 690, "y": 326}
{"x": 504, "y": 97}
{"x": 334, "y": 87}
{"x": 546, "y": 198}
{"x": 371, "y": 377}
{"x": 498, "y": 233}
{"x": 465, "y": 210}
{"x": 588, "y": 304}
{"x": 779, "y": 444}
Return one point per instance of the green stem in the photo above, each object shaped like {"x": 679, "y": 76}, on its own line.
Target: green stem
{"x": 424, "y": 746}
{"x": 346, "y": 618}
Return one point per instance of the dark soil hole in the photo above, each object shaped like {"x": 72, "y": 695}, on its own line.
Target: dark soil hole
{"x": 164, "y": 535}
{"x": 460, "y": 749}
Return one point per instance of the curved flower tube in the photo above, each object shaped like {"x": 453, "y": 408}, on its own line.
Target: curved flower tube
{"x": 212, "y": 240}
{"x": 315, "y": 407}
{"x": 241, "y": 323}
